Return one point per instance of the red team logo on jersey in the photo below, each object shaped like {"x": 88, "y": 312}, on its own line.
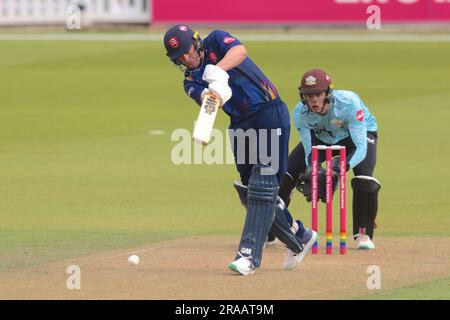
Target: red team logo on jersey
{"x": 228, "y": 40}
{"x": 213, "y": 56}
{"x": 360, "y": 115}
{"x": 173, "y": 42}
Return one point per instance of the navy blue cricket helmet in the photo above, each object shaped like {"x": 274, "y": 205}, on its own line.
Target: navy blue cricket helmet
{"x": 178, "y": 40}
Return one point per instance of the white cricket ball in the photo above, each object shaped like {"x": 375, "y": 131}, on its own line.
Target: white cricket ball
{"x": 133, "y": 260}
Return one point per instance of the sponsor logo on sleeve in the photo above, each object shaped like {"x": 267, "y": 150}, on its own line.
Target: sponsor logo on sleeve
{"x": 360, "y": 115}
{"x": 228, "y": 40}
{"x": 213, "y": 57}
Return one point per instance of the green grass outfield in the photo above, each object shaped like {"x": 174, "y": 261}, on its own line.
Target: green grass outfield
{"x": 81, "y": 171}
{"x": 436, "y": 290}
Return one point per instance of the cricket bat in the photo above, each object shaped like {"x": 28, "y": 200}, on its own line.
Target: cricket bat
{"x": 206, "y": 117}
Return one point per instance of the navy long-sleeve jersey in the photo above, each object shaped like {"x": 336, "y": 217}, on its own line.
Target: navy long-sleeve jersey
{"x": 251, "y": 88}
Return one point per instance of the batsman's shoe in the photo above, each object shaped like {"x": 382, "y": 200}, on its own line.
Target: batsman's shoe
{"x": 364, "y": 242}
{"x": 243, "y": 266}
{"x": 293, "y": 259}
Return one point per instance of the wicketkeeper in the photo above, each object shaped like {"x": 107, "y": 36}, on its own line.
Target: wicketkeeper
{"x": 325, "y": 116}
{"x": 219, "y": 64}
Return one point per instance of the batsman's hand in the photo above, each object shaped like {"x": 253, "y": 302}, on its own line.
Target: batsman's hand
{"x": 204, "y": 92}
{"x": 221, "y": 90}
{"x": 214, "y": 73}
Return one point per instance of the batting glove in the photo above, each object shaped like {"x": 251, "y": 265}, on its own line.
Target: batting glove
{"x": 214, "y": 73}
{"x": 221, "y": 90}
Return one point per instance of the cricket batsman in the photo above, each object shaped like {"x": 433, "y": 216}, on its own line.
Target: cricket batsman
{"x": 219, "y": 64}
{"x": 325, "y": 116}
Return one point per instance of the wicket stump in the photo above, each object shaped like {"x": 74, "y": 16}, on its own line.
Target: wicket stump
{"x": 329, "y": 196}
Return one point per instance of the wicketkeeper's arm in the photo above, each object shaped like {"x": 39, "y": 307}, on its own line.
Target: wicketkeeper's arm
{"x": 306, "y": 139}
{"x": 358, "y": 133}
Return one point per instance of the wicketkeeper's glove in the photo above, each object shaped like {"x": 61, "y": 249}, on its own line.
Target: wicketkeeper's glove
{"x": 304, "y": 183}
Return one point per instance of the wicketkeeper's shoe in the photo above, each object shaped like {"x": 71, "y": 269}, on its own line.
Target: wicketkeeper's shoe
{"x": 271, "y": 243}
{"x": 271, "y": 240}
{"x": 243, "y": 266}
{"x": 364, "y": 242}
{"x": 293, "y": 259}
